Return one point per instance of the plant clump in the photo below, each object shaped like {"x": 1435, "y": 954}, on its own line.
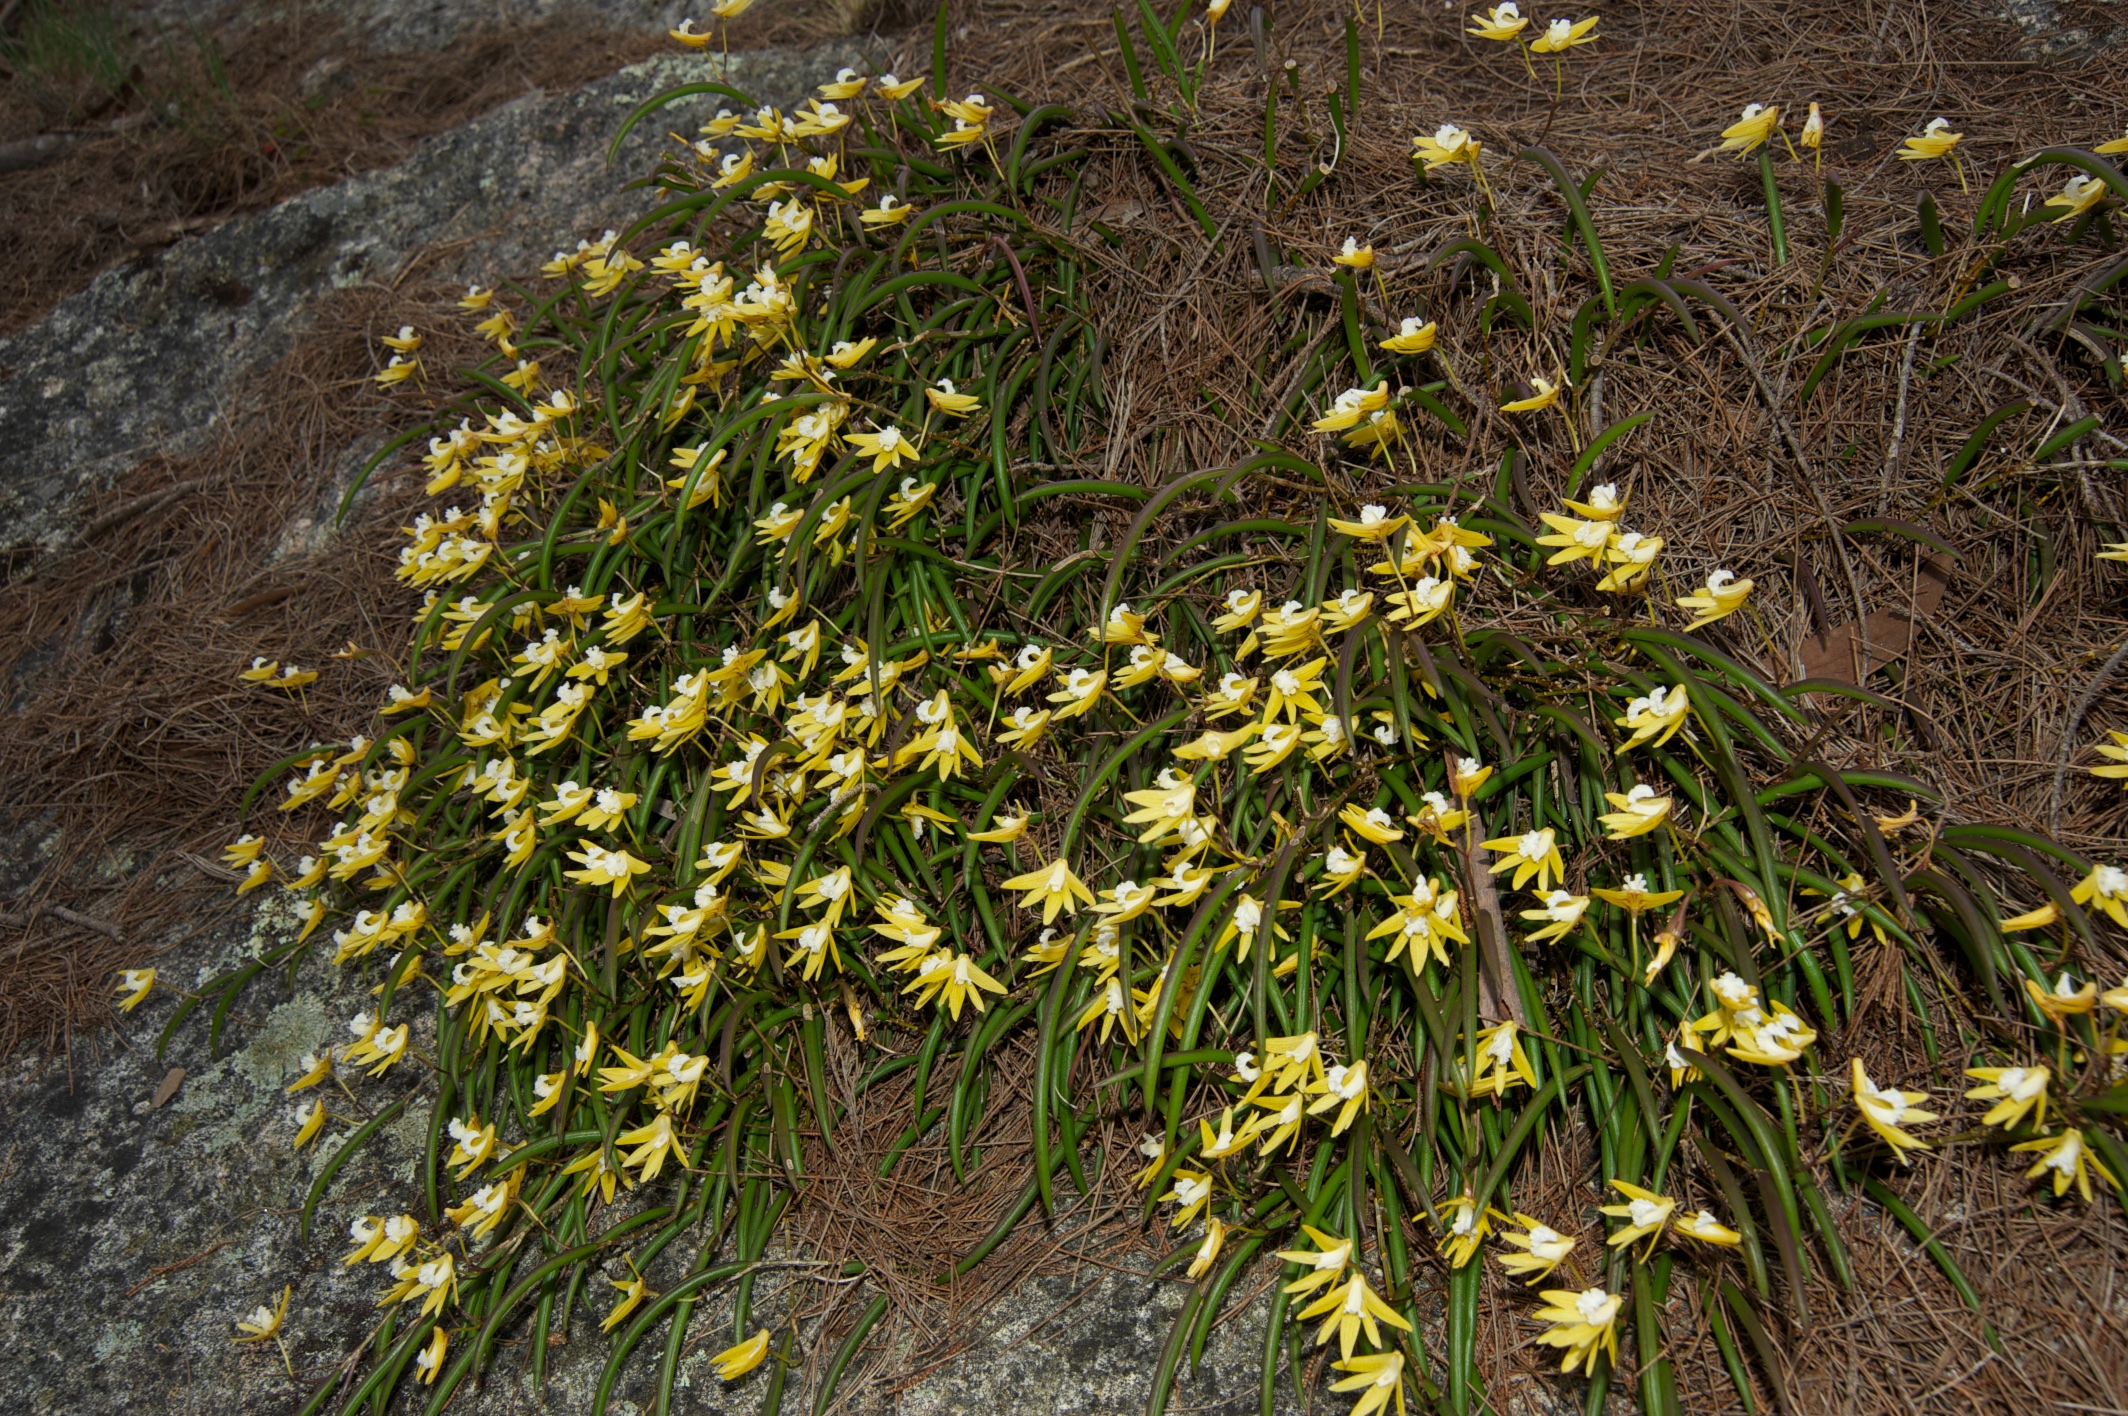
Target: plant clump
{"x": 1348, "y": 818}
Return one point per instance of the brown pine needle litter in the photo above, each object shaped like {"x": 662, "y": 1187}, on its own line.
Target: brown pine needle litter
{"x": 1885, "y": 393}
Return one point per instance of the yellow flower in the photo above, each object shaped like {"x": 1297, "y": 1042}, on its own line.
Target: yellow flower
{"x": 1723, "y": 595}
{"x": 1007, "y": 830}
{"x": 1655, "y": 718}
{"x": 1243, "y": 925}
{"x": 1770, "y": 1041}
{"x": 1325, "y": 1264}
{"x": 134, "y": 986}
{"x": 1379, "y": 432}
{"x": 633, "y": 1292}
{"x": 1645, "y": 1213}
{"x": 309, "y": 1121}
{"x": 1375, "y": 824}
{"x": 1704, "y": 1227}
{"x": 1027, "y": 726}
{"x": 1162, "y": 807}
{"x": 1426, "y": 601}
{"x": 887, "y": 448}
{"x": 1752, "y": 128}
{"x": 1222, "y": 1143}
{"x": 1813, "y": 135}
{"x": 1542, "y": 1246}
{"x": 1501, "y": 1061}
{"x": 1546, "y": 395}
{"x": 1425, "y": 920}
{"x": 1341, "y": 1086}
{"x": 1562, "y": 35}
{"x": 1468, "y": 776}
{"x": 1562, "y": 910}
{"x": 1447, "y": 146}
{"x": 736, "y": 1361}
{"x": 2063, "y": 1000}
{"x": 1532, "y": 854}
{"x": 1503, "y": 22}
{"x": 2016, "y": 1092}
{"x": 602, "y": 867}
{"x": 846, "y": 355}
{"x": 1211, "y": 746}
{"x": 1577, "y": 540}
{"x": 1639, "y": 812}
{"x": 735, "y": 168}
{"x": 1192, "y": 1189}
{"x": 1375, "y": 523}
{"x": 949, "y": 400}
{"x": 380, "y": 1241}
{"x": 1681, "y": 1071}
{"x": 1278, "y": 742}
{"x": 1467, "y": 1228}
{"x": 1886, "y": 1109}
{"x": 1635, "y": 896}
{"x": 1584, "y": 1323}
{"x": 2116, "y": 754}
{"x": 1242, "y": 607}
{"x": 428, "y": 1362}
{"x": 654, "y": 1140}
{"x": 1293, "y": 691}
{"x": 2070, "y": 1159}
{"x": 1351, "y": 407}
{"x": 1347, "y": 1308}
{"x": 1292, "y": 1062}
{"x": 1355, "y": 256}
{"x": 963, "y": 134}
{"x": 686, "y": 35}
{"x": 848, "y": 84}
{"x": 1380, "y": 1374}
{"x": 1054, "y": 888}
{"x": 398, "y": 371}
{"x": 1936, "y": 140}
{"x": 1604, "y": 503}
{"x": 1413, "y": 336}
{"x": 2078, "y": 195}
{"x": 1215, "y": 1237}
{"x": 2107, "y": 887}
{"x": 1631, "y": 557}
{"x": 891, "y": 211}
{"x": 2119, "y": 144}
{"x": 1080, "y": 692}
{"x": 264, "y": 1322}
{"x": 908, "y": 502}
{"x": 384, "y": 1046}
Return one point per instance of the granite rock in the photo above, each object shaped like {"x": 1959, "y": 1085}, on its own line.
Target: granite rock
{"x": 150, "y": 356}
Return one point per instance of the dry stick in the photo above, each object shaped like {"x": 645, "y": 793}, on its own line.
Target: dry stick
{"x": 1300, "y": 371}
{"x": 2071, "y": 407}
{"x": 74, "y": 917}
{"x": 140, "y": 506}
{"x": 1860, "y": 643}
{"x": 1896, "y": 453}
{"x": 162, "y": 1271}
{"x": 2068, "y": 737}
{"x": 1497, "y": 989}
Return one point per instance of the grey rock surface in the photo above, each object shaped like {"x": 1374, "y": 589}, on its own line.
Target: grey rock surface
{"x": 149, "y": 356}
{"x": 395, "y": 25}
